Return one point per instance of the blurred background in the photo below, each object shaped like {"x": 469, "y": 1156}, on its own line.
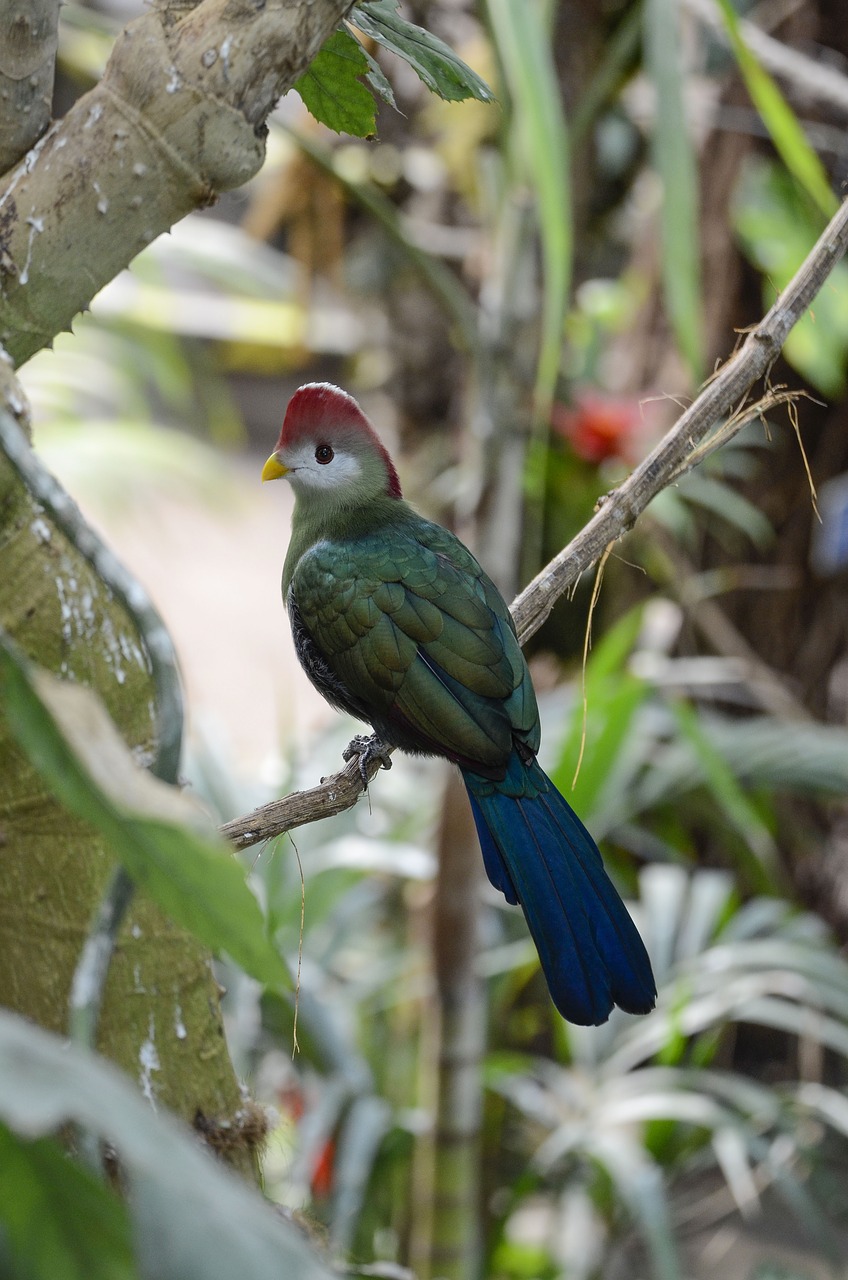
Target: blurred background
{"x": 523, "y": 294}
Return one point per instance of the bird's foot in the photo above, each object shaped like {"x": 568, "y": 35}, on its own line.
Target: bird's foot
{"x": 367, "y": 749}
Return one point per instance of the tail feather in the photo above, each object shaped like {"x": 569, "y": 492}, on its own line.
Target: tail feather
{"x": 538, "y": 853}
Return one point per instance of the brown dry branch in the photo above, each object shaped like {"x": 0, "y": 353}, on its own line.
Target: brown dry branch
{"x": 722, "y": 397}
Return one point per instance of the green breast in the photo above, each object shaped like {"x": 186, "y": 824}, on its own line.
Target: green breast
{"x": 405, "y": 618}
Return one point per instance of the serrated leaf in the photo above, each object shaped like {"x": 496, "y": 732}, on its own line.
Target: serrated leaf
{"x": 192, "y": 1218}
{"x": 440, "y": 69}
{"x": 157, "y": 832}
{"x": 59, "y": 1221}
{"x": 377, "y": 79}
{"x": 332, "y": 91}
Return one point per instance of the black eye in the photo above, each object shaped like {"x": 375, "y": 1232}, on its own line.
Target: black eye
{"x": 324, "y": 454}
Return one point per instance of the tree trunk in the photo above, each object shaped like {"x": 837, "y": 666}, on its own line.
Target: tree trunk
{"x": 178, "y": 117}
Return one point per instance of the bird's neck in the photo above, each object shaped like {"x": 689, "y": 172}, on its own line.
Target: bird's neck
{"x": 314, "y": 522}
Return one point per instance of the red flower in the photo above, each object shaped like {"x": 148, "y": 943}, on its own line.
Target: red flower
{"x": 599, "y": 426}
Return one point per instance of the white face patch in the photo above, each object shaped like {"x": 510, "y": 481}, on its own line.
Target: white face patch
{"x": 307, "y": 473}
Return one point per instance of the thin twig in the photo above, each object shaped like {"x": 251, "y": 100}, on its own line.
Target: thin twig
{"x": 725, "y": 393}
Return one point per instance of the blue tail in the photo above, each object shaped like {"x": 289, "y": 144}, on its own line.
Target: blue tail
{"x": 539, "y": 854}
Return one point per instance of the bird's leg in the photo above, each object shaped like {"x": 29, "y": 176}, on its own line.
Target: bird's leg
{"x": 367, "y": 749}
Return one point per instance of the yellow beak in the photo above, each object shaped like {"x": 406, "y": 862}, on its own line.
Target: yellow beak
{"x": 274, "y": 469}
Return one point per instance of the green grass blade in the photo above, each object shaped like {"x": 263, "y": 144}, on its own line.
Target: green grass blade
{"x": 674, "y": 158}
{"x": 783, "y": 125}
{"x": 731, "y": 799}
{"x": 524, "y": 49}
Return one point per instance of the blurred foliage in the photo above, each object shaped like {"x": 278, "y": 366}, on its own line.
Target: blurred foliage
{"x": 776, "y": 223}
{"x": 599, "y": 1145}
{"x": 611, "y": 1126}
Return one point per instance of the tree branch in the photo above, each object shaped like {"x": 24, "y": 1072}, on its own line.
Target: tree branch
{"x": 676, "y": 453}
{"x": 28, "y": 41}
{"x": 177, "y": 118}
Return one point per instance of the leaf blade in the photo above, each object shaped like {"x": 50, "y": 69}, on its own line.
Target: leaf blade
{"x": 60, "y": 1222}
{"x": 436, "y": 65}
{"x": 332, "y": 91}
{"x": 675, "y": 162}
{"x": 783, "y": 125}
{"x": 70, "y": 740}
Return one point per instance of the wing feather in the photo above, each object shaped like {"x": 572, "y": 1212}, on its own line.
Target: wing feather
{"x": 419, "y": 635}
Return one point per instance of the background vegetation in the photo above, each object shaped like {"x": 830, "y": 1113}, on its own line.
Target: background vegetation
{"x": 522, "y": 286}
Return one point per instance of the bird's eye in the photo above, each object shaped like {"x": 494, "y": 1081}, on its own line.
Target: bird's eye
{"x": 324, "y": 454}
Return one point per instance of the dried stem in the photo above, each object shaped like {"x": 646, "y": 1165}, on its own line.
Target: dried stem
{"x": 723, "y": 396}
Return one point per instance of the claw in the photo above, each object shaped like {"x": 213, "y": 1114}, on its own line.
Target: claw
{"x": 367, "y": 749}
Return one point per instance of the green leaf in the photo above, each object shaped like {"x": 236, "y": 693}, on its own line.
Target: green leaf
{"x": 731, "y": 799}
{"x": 443, "y": 72}
{"x": 162, "y": 838}
{"x": 640, "y": 1185}
{"x": 59, "y": 1221}
{"x": 192, "y": 1218}
{"x": 525, "y": 50}
{"x": 783, "y": 125}
{"x": 613, "y": 697}
{"x": 674, "y": 158}
{"x": 728, "y": 504}
{"x": 777, "y": 225}
{"x": 376, "y": 77}
{"x": 332, "y": 91}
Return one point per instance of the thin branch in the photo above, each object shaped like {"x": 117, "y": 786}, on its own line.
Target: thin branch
{"x": 723, "y": 394}
{"x": 89, "y": 984}
{"x": 675, "y": 454}
{"x": 331, "y": 796}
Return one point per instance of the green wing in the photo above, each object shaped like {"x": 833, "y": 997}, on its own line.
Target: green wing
{"x": 414, "y": 629}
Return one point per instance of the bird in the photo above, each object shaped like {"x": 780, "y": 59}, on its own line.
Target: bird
{"x": 396, "y": 623}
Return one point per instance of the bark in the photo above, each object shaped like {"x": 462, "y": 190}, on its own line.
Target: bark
{"x": 28, "y": 39}
{"x": 177, "y": 118}
{"x": 161, "y": 1019}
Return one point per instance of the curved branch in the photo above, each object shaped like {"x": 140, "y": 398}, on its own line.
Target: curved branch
{"x": 675, "y": 454}
{"x": 177, "y": 118}
{"x": 28, "y": 43}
